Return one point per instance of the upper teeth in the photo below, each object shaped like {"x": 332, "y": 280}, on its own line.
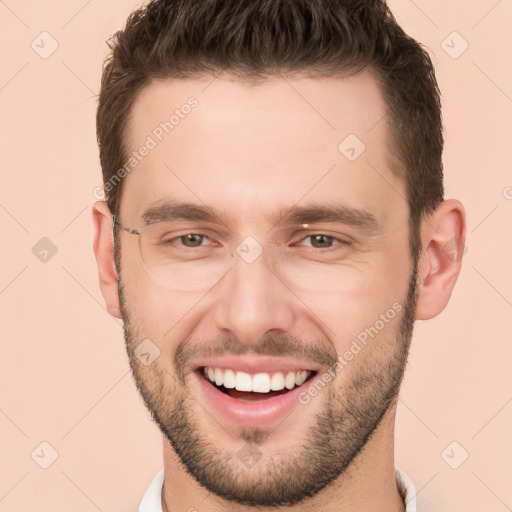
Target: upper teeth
{"x": 260, "y": 382}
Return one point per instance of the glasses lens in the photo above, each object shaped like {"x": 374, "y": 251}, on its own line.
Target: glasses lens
{"x": 183, "y": 261}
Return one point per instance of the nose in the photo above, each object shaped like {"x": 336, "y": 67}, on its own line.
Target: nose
{"x": 252, "y": 299}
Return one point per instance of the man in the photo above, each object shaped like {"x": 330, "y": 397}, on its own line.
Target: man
{"x": 274, "y": 224}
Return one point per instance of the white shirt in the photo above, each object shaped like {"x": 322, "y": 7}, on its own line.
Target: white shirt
{"x": 152, "y": 500}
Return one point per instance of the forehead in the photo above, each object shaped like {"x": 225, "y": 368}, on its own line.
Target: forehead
{"x": 247, "y": 148}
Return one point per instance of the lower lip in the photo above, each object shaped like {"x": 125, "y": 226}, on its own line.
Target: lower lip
{"x": 258, "y": 412}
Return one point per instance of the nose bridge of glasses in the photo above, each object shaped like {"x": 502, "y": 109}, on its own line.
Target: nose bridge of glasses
{"x": 252, "y": 267}
{"x": 255, "y": 260}
{"x": 255, "y": 248}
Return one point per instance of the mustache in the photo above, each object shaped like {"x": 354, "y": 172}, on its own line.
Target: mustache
{"x": 276, "y": 345}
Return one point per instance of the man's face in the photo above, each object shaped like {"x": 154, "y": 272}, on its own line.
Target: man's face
{"x": 339, "y": 305}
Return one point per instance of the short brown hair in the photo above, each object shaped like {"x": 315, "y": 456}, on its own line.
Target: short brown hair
{"x": 255, "y": 39}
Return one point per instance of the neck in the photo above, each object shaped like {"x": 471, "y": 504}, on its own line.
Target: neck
{"x": 368, "y": 484}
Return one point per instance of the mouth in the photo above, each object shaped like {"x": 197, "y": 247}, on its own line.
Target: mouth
{"x": 247, "y": 387}
{"x": 249, "y": 391}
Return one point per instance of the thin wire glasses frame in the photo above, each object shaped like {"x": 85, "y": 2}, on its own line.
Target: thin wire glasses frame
{"x": 118, "y": 223}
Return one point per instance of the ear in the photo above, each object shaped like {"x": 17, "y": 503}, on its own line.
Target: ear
{"x": 443, "y": 238}
{"x": 104, "y": 251}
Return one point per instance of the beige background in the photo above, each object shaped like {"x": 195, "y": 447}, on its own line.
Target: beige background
{"x": 64, "y": 376}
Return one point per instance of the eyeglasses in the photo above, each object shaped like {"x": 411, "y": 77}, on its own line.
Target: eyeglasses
{"x": 171, "y": 263}
{"x": 188, "y": 260}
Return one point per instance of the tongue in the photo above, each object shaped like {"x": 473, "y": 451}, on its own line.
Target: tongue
{"x": 253, "y": 396}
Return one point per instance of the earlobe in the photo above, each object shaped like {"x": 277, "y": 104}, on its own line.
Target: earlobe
{"x": 103, "y": 246}
{"x": 443, "y": 240}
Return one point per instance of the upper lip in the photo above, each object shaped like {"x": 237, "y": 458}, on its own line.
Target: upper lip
{"x": 256, "y": 365}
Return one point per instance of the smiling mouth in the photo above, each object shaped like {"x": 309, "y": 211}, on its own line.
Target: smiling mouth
{"x": 253, "y": 388}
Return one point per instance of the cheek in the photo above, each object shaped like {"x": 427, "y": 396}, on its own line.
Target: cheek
{"x": 148, "y": 305}
{"x": 155, "y": 312}
{"x": 366, "y": 293}
{"x": 163, "y": 316}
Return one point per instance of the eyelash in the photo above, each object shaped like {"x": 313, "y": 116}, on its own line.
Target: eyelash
{"x": 341, "y": 242}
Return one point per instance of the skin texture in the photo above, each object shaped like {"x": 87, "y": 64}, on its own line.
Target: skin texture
{"x": 248, "y": 152}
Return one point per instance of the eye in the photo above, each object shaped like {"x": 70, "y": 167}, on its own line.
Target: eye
{"x": 190, "y": 240}
{"x": 325, "y": 241}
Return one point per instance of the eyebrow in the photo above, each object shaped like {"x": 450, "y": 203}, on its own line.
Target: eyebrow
{"x": 174, "y": 210}
{"x": 333, "y": 212}
{"x": 314, "y": 213}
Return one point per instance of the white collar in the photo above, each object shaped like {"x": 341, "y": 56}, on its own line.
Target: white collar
{"x": 152, "y": 500}
{"x": 406, "y": 489}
